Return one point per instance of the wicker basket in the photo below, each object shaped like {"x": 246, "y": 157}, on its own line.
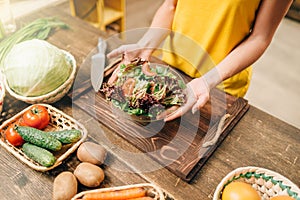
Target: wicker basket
{"x": 54, "y": 95}
{"x": 58, "y": 121}
{"x": 268, "y": 183}
{"x": 2, "y": 93}
{"x": 152, "y": 191}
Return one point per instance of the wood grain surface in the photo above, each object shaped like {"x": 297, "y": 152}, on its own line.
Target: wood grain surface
{"x": 258, "y": 139}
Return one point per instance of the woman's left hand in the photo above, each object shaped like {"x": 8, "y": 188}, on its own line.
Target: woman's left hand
{"x": 197, "y": 96}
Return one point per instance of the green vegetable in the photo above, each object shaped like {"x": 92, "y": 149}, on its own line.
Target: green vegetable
{"x": 2, "y": 31}
{"x": 38, "y": 29}
{"x": 39, "y": 138}
{"x": 66, "y": 136}
{"x": 36, "y": 67}
{"x": 38, "y": 154}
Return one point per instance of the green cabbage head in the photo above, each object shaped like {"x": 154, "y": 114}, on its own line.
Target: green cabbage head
{"x": 36, "y": 67}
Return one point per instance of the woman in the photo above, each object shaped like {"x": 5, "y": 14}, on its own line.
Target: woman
{"x": 234, "y": 33}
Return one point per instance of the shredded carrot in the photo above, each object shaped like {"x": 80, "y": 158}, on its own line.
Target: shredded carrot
{"x": 116, "y": 195}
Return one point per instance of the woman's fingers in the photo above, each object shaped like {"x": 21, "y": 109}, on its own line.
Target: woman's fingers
{"x": 119, "y": 51}
{"x": 131, "y": 49}
{"x": 200, "y": 103}
{"x": 167, "y": 112}
{"x": 195, "y": 105}
{"x": 176, "y": 114}
{"x": 114, "y": 76}
{"x": 196, "y": 99}
{"x": 114, "y": 53}
{"x": 182, "y": 110}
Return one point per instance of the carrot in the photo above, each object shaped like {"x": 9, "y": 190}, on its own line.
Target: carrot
{"x": 116, "y": 195}
{"x": 142, "y": 198}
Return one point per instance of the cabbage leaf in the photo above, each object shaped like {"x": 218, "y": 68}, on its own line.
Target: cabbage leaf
{"x": 36, "y": 67}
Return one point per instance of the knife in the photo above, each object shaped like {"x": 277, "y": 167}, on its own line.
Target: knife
{"x": 98, "y": 62}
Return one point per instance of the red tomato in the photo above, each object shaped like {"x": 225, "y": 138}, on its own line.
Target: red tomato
{"x": 13, "y": 136}
{"x": 21, "y": 122}
{"x": 36, "y": 117}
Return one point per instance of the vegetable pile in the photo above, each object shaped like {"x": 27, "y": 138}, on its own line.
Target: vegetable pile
{"x": 36, "y": 143}
{"x": 143, "y": 93}
{"x": 238, "y": 190}
{"x": 87, "y": 173}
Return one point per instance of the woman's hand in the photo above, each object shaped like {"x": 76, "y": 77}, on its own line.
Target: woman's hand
{"x": 129, "y": 52}
{"x": 197, "y": 96}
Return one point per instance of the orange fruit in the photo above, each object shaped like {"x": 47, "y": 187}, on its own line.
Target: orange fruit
{"x": 282, "y": 197}
{"x": 240, "y": 191}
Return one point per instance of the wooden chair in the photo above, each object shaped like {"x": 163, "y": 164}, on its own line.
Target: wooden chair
{"x": 100, "y": 13}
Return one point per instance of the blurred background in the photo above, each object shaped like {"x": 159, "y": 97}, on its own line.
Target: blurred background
{"x": 275, "y": 86}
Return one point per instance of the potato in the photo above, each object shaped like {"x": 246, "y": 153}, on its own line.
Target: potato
{"x": 89, "y": 174}
{"x": 64, "y": 186}
{"x": 92, "y": 153}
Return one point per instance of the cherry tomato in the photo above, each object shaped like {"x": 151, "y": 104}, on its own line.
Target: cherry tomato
{"x": 13, "y": 136}
{"x": 37, "y": 117}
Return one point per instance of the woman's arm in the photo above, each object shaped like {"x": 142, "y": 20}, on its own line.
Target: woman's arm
{"x": 269, "y": 16}
{"x": 163, "y": 17}
{"x": 251, "y": 49}
{"x": 160, "y": 28}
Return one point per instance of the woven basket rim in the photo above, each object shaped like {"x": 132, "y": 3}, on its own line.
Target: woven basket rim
{"x": 2, "y": 89}
{"x": 52, "y": 93}
{"x": 16, "y": 151}
{"x": 255, "y": 170}
{"x": 2, "y": 92}
{"x": 160, "y": 195}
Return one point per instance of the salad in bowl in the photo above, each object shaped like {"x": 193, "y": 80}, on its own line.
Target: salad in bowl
{"x": 146, "y": 91}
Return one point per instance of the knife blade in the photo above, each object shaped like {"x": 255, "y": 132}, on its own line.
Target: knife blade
{"x": 97, "y": 68}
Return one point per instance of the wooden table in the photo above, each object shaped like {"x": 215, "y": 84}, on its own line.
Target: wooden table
{"x": 259, "y": 139}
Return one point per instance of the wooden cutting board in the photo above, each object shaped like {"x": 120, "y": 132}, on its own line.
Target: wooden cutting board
{"x": 177, "y": 145}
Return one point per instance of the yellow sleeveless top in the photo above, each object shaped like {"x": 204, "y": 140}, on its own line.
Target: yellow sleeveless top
{"x": 204, "y": 33}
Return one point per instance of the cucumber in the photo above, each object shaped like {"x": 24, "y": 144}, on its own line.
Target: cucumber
{"x": 38, "y": 154}
{"x": 66, "y": 136}
{"x": 39, "y": 138}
